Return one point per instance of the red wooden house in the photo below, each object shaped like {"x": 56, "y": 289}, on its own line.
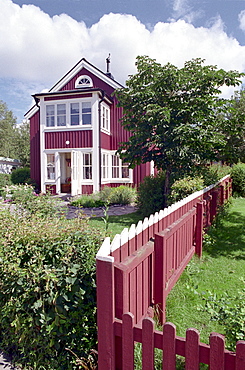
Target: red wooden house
{"x": 75, "y": 131}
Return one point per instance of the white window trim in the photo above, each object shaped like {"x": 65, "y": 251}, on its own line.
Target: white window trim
{"x": 79, "y": 85}
{"x": 68, "y": 114}
{"x": 104, "y": 107}
{"x": 110, "y": 179}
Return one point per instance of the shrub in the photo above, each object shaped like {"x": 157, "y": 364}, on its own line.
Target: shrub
{"x": 4, "y": 180}
{"x": 47, "y": 290}
{"x": 20, "y": 175}
{"x": 29, "y": 203}
{"x": 184, "y": 187}
{"x": 238, "y": 179}
{"x": 151, "y": 194}
{"x": 88, "y": 201}
{"x": 122, "y": 195}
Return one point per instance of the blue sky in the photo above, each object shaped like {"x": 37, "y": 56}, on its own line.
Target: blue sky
{"x": 41, "y": 40}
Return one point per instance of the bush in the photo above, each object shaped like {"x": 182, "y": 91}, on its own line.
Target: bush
{"x": 238, "y": 179}
{"x": 184, "y": 187}
{"x": 29, "y": 203}
{"x": 151, "y": 194}
{"x": 4, "y": 180}
{"x": 47, "y": 290}
{"x": 119, "y": 195}
{"x": 20, "y": 175}
{"x": 122, "y": 195}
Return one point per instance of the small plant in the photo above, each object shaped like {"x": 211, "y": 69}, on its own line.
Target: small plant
{"x": 4, "y": 180}
{"x": 88, "y": 201}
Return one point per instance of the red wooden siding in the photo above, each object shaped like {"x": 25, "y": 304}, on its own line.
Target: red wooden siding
{"x": 87, "y": 189}
{"x": 97, "y": 83}
{"x": 140, "y": 172}
{"x": 105, "y": 141}
{"x": 51, "y": 189}
{"x": 35, "y": 149}
{"x": 77, "y": 139}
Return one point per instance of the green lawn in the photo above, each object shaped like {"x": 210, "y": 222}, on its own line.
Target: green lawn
{"x": 220, "y": 270}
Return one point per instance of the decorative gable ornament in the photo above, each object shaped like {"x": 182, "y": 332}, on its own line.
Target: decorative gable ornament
{"x": 83, "y": 82}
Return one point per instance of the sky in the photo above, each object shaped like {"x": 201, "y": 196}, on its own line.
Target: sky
{"x": 41, "y": 40}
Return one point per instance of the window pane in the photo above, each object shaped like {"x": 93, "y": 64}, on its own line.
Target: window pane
{"x": 50, "y": 115}
{"x": 87, "y": 166}
{"x": 115, "y": 166}
{"x": 86, "y": 113}
{"x": 51, "y": 166}
{"x": 61, "y": 114}
{"x": 74, "y": 113}
{"x": 125, "y": 171}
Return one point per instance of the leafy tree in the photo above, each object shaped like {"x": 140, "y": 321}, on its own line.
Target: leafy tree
{"x": 7, "y": 131}
{"x": 234, "y": 129}
{"x": 22, "y": 143}
{"x": 172, "y": 114}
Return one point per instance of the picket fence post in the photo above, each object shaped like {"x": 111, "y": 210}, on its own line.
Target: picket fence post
{"x": 199, "y": 229}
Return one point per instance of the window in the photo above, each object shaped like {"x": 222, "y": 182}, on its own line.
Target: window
{"x": 115, "y": 166}
{"x": 74, "y": 114}
{"x": 86, "y": 113}
{"x": 120, "y": 170}
{"x": 61, "y": 115}
{"x": 105, "y": 166}
{"x": 105, "y": 118}
{"x": 87, "y": 166}
{"x": 50, "y": 116}
{"x": 83, "y": 81}
{"x": 50, "y": 166}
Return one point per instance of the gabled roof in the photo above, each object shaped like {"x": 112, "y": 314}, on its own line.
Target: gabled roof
{"x": 83, "y": 63}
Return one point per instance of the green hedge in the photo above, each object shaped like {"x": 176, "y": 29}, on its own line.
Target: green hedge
{"x": 47, "y": 290}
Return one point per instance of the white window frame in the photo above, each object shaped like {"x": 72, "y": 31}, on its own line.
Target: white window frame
{"x": 68, "y": 104}
{"x": 105, "y": 166}
{"x": 83, "y": 82}
{"x": 105, "y": 118}
{"x": 50, "y": 164}
{"x": 88, "y": 166}
{"x": 108, "y": 166}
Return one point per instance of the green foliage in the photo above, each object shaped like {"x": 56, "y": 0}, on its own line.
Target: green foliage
{"x": 119, "y": 195}
{"x": 238, "y": 179}
{"x": 47, "y": 290}
{"x": 122, "y": 195}
{"x": 28, "y": 203}
{"x": 214, "y": 173}
{"x": 20, "y": 175}
{"x": 184, "y": 187}
{"x": 173, "y": 114}
{"x": 7, "y": 132}
{"x": 230, "y": 313}
{"x": 233, "y": 129}
{"x": 151, "y": 194}
{"x": 4, "y": 180}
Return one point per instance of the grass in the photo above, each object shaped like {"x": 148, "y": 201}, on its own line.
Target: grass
{"x": 116, "y": 224}
{"x": 219, "y": 270}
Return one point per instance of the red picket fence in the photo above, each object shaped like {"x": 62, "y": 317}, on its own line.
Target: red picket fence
{"x": 215, "y": 355}
{"x": 139, "y": 268}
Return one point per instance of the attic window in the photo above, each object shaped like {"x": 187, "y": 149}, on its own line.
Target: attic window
{"x": 83, "y": 81}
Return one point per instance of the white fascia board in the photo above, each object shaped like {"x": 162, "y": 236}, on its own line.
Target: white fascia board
{"x": 90, "y": 68}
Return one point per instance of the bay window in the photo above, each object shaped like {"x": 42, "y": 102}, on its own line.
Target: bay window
{"x": 69, "y": 114}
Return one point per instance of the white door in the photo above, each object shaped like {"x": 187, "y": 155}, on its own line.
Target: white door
{"x": 74, "y": 172}
{"x": 57, "y": 166}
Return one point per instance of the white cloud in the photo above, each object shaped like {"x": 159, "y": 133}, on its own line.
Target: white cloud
{"x": 37, "y": 48}
{"x": 241, "y": 18}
